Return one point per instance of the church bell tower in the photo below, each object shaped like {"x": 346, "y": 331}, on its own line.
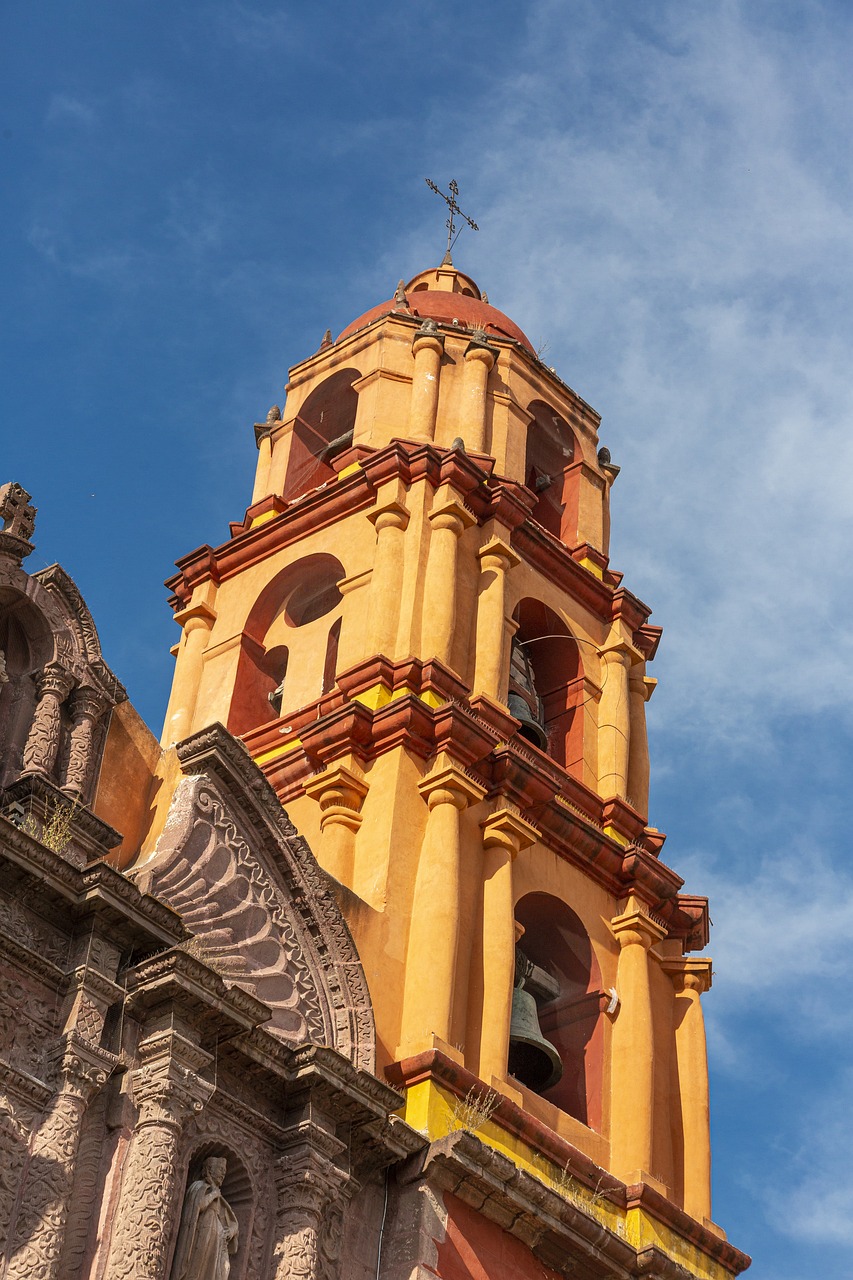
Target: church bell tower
{"x": 417, "y": 634}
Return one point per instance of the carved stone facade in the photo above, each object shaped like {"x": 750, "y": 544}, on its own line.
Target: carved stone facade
{"x": 209, "y": 1006}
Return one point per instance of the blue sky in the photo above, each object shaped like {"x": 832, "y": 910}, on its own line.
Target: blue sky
{"x": 193, "y": 193}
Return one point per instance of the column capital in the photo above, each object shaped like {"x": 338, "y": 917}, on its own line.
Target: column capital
{"x": 195, "y": 616}
{"x": 339, "y": 784}
{"x": 690, "y": 973}
{"x": 617, "y": 653}
{"x": 480, "y": 349}
{"x": 88, "y": 702}
{"x": 636, "y": 926}
{"x": 54, "y": 679}
{"x": 448, "y": 783}
{"x": 389, "y": 515}
{"x": 167, "y": 1085}
{"x": 497, "y": 554}
{"x": 82, "y": 1067}
{"x": 508, "y": 830}
{"x": 428, "y": 339}
{"x": 450, "y": 512}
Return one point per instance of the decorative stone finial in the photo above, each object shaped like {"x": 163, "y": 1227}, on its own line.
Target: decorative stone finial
{"x": 400, "y": 303}
{"x": 274, "y": 414}
{"x": 604, "y": 456}
{"x": 19, "y": 522}
{"x": 327, "y": 340}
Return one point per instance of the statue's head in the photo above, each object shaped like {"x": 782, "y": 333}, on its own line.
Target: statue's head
{"x": 213, "y": 1170}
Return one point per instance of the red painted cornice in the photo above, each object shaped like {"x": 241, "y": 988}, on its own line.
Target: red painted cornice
{"x": 434, "y": 1065}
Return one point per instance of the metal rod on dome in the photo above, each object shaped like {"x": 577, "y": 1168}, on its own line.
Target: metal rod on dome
{"x": 454, "y": 209}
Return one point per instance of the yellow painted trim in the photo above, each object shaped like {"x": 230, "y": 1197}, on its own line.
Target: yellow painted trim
{"x": 379, "y": 695}
{"x": 595, "y": 569}
{"x": 278, "y": 751}
{"x": 617, "y": 836}
{"x": 263, "y": 518}
{"x": 348, "y": 471}
{"x": 435, "y": 1112}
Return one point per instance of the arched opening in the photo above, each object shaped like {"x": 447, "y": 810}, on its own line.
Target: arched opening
{"x": 26, "y": 646}
{"x": 323, "y": 429}
{"x": 236, "y": 1191}
{"x": 550, "y": 471}
{"x": 556, "y": 941}
{"x": 288, "y": 650}
{"x": 550, "y": 655}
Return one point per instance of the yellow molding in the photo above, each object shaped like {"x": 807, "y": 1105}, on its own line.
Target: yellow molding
{"x": 595, "y": 569}
{"x": 379, "y": 695}
{"x": 278, "y": 751}
{"x": 263, "y": 518}
{"x": 435, "y": 1112}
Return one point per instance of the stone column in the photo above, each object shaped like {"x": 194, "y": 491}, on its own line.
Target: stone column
{"x": 614, "y": 731}
{"x": 39, "y": 1230}
{"x": 87, "y": 706}
{"x": 632, "y": 1064}
{"x": 53, "y": 685}
{"x": 427, "y": 348}
{"x": 390, "y": 521}
{"x": 505, "y": 834}
{"x": 479, "y": 362}
{"x": 197, "y": 621}
{"x": 309, "y": 1186}
{"x": 691, "y": 977}
{"x": 434, "y": 932}
{"x": 449, "y": 518}
{"x": 340, "y": 792}
{"x": 640, "y": 690}
{"x": 167, "y": 1090}
{"x": 496, "y": 558}
{"x": 262, "y": 471}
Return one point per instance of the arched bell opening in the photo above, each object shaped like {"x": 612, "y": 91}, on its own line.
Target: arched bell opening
{"x": 238, "y": 1194}
{"x": 26, "y": 647}
{"x": 288, "y": 650}
{"x": 324, "y": 428}
{"x": 565, "y": 986}
{"x": 546, "y": 686}
{"x": 551, "y": 471}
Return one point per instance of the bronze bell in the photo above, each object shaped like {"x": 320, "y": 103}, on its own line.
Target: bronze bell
{"x": 523, "y": 701}
{"x": 530, "y": 728}
{"x": 532, "y": 1059}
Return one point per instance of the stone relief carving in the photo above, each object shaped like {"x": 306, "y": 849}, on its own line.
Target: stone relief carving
{"x": 38, "y": 1234}
{"x": 209, "y": 1233}
{"x": 27, "y": 1028}
{"x": 167, "y": 1093}
{"x": 42, "y": 743}
{"x": 288, "y": 889}
{"x": 13, "y": 1150}
{"x": 229, "y": 899}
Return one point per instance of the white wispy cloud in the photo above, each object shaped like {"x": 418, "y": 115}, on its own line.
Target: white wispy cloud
{"x": 690, "y": 263}
{"x": 66, "y": 107}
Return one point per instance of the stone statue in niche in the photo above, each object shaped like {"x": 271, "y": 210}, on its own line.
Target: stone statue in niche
{"x": 209, "y": 1234}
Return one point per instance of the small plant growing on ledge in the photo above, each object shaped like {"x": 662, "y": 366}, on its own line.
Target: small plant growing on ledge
{"x": 55, "y": 830}
{"x": 471, "y": 1112}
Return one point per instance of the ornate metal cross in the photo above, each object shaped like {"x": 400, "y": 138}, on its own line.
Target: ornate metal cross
{"x": 452, "y": 233}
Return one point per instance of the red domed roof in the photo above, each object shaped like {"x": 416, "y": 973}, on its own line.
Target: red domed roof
{"x": 445, "y": 307}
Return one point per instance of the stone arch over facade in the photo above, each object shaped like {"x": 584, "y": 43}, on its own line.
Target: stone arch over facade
{"x": 248, "y": 886}
{"x": 556, "y": 939}
{"x": 56, "y": 690}
{"x": 289, "y": 643}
